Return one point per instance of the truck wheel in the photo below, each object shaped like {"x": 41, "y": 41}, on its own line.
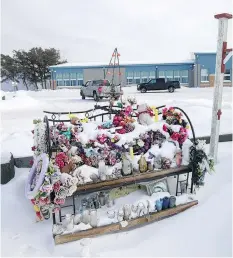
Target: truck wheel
{"x": 171, "y": 89}
{"x": 95, "y": 96}
{"x": 82, "y": 95}
{"x": 143, "y": 90}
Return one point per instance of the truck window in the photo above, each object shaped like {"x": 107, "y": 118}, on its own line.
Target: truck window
{"x": 160, "y": 80}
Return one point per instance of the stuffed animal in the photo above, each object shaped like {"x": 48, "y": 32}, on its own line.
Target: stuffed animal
{"x": 144, "y": 114}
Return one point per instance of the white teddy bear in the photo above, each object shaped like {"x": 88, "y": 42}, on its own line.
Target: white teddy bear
{"x": 144, "y": 117}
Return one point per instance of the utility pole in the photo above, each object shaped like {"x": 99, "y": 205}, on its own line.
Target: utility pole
{"x": 218, "y": 83}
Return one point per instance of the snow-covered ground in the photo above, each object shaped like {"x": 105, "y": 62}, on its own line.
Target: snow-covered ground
{"x": 18, "y": 112}
{"x": 204, "y": 230}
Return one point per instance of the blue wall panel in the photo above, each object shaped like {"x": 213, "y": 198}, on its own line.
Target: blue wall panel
{"x": 208, "y": 60}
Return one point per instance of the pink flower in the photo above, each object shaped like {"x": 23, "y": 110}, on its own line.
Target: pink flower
{"x": 56, "y": 209}
{"x": 164, "y": 110}
{"x": 44, "y": 201}
{"x": 165, "y": 128}
{"x": 183, "y": 130}
{"x": 59, "y": 201}
{"x": 112, "y": 161}
{"x": 31, "y": 162}
{"x": 60, "y": 163}
{"x": 56, "y": 186}
{"x": 128, "y": 110}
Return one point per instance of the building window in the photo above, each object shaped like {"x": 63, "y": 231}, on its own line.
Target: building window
{"x": 144, "y": 74}
{"x": 129, "y": 81}
{"x": 66, "y": 82}
{"x": 73, "y": 76}
{"x": 80, "y": 78}
{"x": 73, "y": 82}
{"x": 80, "y": 82}
{"x": 161, "y": 74}
{"x": 176, "y": 75}
{"x": 130, "y": 75}
{"x": 227, "y": 75}
{"x": 136, "y": 74}
{"x": 59, "y": 76}
{"x": 184, "y": 76}
{"x": 169, "y": 75}
{"x": 204, "y": 75}
{"x": 66, "y": 76}
{"x": 152, "y": 74}
{"x": 137, "y": 77}
{"x": 59, "y": 82}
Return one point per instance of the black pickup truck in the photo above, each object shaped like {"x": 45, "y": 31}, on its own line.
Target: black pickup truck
{"x": 158, "y": 84}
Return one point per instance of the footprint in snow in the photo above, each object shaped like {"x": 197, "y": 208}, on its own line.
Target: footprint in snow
{"x": 17, "y": 236}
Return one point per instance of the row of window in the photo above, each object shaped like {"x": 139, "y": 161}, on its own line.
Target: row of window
{"x": 68, "y": 76}
{"x": 141, "y": 80}
{"x": 144, "y": 76}
{"x": 69, "y": 82}
{"x": 205, "y": 75}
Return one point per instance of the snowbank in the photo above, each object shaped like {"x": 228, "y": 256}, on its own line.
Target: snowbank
{"x": 18, "y": 101}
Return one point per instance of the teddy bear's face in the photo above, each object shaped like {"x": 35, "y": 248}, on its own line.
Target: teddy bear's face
{"x": 142, "y": 108}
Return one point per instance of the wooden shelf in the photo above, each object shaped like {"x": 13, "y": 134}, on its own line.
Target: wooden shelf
{"x": 154, "y": 216}
{"x": 127, "y": 180}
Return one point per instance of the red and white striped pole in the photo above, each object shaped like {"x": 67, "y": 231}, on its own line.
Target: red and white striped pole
{"x": 218, "y": 84}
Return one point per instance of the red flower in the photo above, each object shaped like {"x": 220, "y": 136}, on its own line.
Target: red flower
{"x": 183, "y": 130}
{"x": 31, "y": 162}
{"x": 44, "y": 201}
{"x": 175, "y": 136}
{"x": 165, "y": 128}
{"x": 33, "y": 148}
{"x": 164, "y": 110}
{"x": 182, "y": 138}
{"x": 150, "y": 112}
{"x": 33, "y": 201}
{"x": 32, "y": 131}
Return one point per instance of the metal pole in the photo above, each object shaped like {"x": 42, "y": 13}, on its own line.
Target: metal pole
{"x": 197, "y": 73}
{"x": 218, "y": 83}
{"x": 51, "y": 79}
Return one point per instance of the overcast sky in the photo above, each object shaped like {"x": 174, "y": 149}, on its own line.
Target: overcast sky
{"x": 89, "y": 30}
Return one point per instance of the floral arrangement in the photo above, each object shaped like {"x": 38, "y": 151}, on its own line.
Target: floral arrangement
{"x": 39, "y": 137}
{"x": 173, "y": 117}
{"x": 200, "y": 161}
{"x": 179, "y": 136}
{"x": 62, "y": 185}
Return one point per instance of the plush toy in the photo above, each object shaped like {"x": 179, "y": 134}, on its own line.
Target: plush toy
{"x": 144, "y": 114}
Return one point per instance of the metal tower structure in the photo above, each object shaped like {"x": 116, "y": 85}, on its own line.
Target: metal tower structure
{"x": 113, "y": 71}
